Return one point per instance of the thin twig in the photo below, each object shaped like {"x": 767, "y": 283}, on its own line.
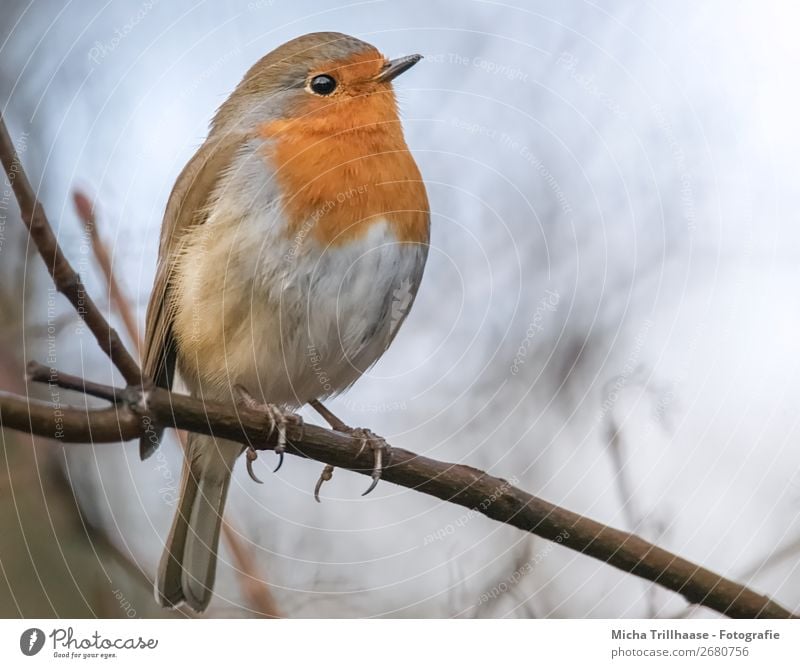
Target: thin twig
{"x": 86, "y": 212}
{"x": 39, "y": 373}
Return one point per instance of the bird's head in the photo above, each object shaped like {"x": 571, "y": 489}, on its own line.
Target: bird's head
{"x": 327, "y": 81}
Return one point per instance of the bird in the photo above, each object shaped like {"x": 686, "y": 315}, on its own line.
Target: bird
{"x": 292, "y": 247}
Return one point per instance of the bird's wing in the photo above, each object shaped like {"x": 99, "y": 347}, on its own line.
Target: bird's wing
{"x": 187, "y": 207}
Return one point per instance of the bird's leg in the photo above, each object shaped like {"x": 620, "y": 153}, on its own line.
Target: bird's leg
{"x": 380, "y": 449}
{"x": 335, "y": 423}
{"x": 278, "y": 419}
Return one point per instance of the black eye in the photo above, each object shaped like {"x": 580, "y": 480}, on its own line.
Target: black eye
{"x": 323, "y": 84}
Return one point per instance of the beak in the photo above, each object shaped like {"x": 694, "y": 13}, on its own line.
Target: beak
{"x": 396, "y": 67}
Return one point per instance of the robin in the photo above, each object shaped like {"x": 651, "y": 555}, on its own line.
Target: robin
{"x": 292, "y": 245}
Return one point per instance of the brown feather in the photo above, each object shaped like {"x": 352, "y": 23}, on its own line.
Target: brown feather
{"x": 187, "y": 206}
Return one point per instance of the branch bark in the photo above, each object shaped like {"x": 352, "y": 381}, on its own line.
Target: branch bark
{"x": 138, "y": 411}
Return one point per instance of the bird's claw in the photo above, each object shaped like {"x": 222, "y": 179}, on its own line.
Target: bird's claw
{"x": 278, "y": 419}
{"x": 327, "y": 474}
{"x": 252, "y": 455}
{"x": 379, "y": 448}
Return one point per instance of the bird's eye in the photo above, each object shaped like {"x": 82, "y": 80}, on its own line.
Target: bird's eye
{"x": 323, "y": 84}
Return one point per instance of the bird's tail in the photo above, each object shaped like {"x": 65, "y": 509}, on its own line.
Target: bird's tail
{"x": 189, "y": 563}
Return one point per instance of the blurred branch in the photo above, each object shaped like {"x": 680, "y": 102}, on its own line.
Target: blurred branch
{"x": 137, "y": 410}
{"x": 85, "y": 210}
{"x": 254, "y": 588}
{"x": 621, "y": 481}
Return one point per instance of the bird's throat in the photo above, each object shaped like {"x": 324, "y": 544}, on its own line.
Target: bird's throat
{"x": 336, "y": 185}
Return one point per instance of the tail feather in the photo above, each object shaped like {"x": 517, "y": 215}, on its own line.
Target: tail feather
{"x": 202, "y": 540}
{"x": 169, "y": 589}
{"x": 188, "y": 566}
{"x": 149, "y": 443}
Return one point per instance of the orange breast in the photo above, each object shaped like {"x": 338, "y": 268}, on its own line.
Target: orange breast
{"x": 340, "y": 176}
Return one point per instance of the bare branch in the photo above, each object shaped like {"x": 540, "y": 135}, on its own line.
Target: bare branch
{"x": 466, "y": 486}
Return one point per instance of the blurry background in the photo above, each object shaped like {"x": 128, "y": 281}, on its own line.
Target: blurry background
{"x": 609, "y": 315}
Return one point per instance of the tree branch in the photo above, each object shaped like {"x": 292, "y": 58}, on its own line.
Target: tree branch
{"x": 139, "y": 411}
{"x": 496, "y": 498}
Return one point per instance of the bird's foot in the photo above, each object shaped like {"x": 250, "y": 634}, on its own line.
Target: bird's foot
{"x": 277, "y": 419}
{"x": 327, "y": 474}
{"x": 380, "y": 449}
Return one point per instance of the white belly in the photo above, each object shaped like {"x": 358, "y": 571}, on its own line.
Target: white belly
{"x": 337, "y": 311}
{"x": 300, "y": 321}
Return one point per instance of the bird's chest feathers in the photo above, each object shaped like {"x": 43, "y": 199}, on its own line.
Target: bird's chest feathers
{"x": 335, "y": 186}
{"x": 331, "y": 311}
{"x": 351, "y": 294}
